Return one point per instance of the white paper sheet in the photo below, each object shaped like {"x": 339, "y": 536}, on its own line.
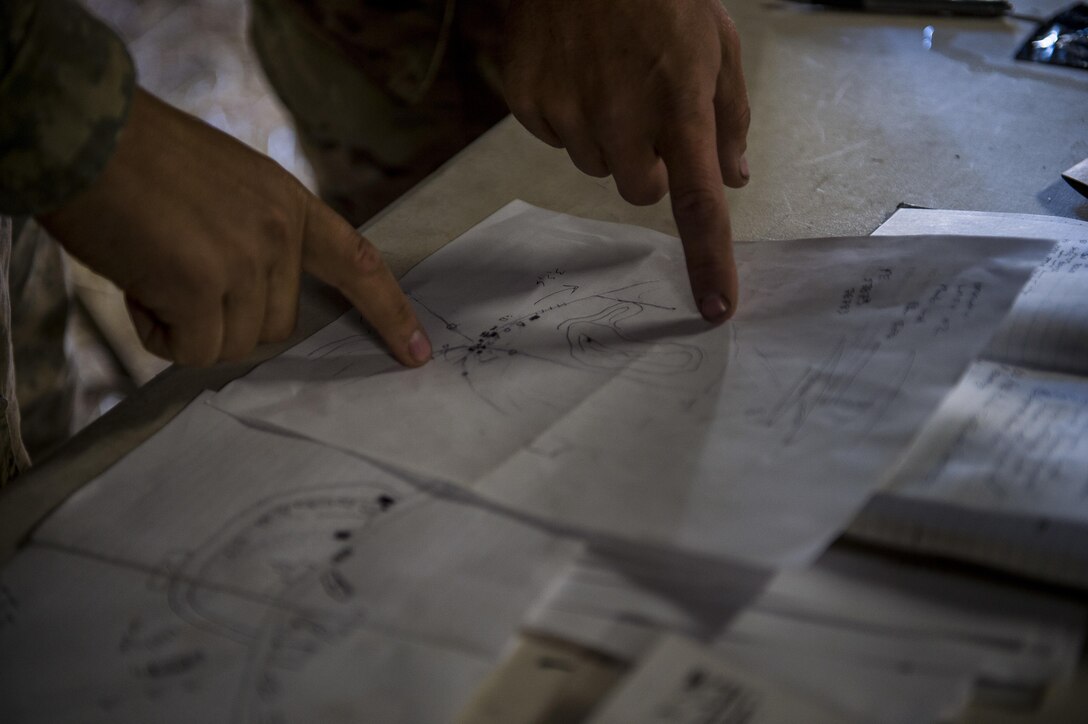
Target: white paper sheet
{"x": 1048, "y": 324}
{"x": 997, "y": 474}
{"x": 83, "y": 640}
{"x": 1006, "y": 439}
{"x": 573, "y": 379}
{"x": 209, "y": 504}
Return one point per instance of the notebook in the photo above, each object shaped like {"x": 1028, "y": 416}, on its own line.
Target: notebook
{"x": 999, "y": 474}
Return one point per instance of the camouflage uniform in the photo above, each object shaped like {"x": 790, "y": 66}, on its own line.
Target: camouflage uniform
{"x": 13, "y": 455}
{"x": 381, "y": 92}
{"x": 65, "y": 87}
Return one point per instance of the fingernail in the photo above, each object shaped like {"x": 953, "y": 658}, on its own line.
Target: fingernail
{"x": 419, "y": 347}
{"x": 714, "y": 307}
{"x": 744, "y": 172}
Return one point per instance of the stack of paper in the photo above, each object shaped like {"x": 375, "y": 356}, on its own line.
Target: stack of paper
{"x": 575, "y": 382}
{"x": 997, "y": 476}
{"x": 316, "y": 540}
{"x": 876, "y": 640}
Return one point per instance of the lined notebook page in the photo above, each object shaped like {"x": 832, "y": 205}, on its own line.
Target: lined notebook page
{"x": 999, "y": 474}
{"x": 1048, "y": 326}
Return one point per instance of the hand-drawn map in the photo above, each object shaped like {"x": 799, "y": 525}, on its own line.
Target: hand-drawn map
{"x": 271, "y": 580}
{"x": 574, "y": 381}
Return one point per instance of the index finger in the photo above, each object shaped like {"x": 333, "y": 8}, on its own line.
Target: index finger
{"x": 337, "y": 254}
{"x": 689, "y": 149}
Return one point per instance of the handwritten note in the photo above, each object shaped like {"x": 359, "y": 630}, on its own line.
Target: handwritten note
{"x": 1007, "y": 438}
{"x": 574, "y": 380}
{"x": 997, "y": 475}
{"x": 1048, "y": 325}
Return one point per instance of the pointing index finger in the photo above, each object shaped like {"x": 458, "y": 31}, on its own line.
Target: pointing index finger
{"x": 690, "y": 151}
{"x": 338, "y": 255}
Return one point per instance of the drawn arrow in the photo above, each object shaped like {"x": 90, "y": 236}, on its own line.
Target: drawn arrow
{"x": 568, "y": 288}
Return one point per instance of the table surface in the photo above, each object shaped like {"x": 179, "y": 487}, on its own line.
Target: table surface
{"x": 852, "y": 115}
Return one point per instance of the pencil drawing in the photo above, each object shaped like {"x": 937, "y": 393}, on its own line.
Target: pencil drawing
{"x": 628, "y": 332}
{"x": 833, "y": 387}
{"x": 597, "y": 341}
{"x": 272, "y": 581}
{"x": 598, "y": 333}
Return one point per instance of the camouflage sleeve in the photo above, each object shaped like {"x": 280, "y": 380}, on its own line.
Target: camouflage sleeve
{"x": 66, "y": 82}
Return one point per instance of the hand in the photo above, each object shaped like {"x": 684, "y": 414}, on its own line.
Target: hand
{"x": 652, "y": 92}
{"x": 207, "y": 239}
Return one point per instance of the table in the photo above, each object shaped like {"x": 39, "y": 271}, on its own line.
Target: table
{"x": 852, "y": 114}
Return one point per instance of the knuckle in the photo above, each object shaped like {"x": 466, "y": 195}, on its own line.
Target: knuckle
{"x": 245, "y": 269}
{"x": 590, "y": 167}
{"x": 516, "y": 72}
{"x": 687, "y": 104}
{"x": 366, "y": 259}
{"x": 614, "y": 113}
{"x": 566, "y": 117}
{"x": 727, "y": 30}
{"x": 588, "y": 159}
{"x": 194, "y": 285}
{"x": 521, "y": 103}
{"x": 277, "y": 229}
{"x": 744, "y": 118}
{"x": 281, "y": 327}
{"x": 733, "y": 118}
{"x": 696, "y": 203}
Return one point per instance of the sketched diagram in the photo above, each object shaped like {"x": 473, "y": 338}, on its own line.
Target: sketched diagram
{"x": 288, "y": 599}
{"x": 597, "y": 341}
{"x": 546, "y": 353}
{"x": 835, "y": 389}
{"x": 594, "y": 332}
